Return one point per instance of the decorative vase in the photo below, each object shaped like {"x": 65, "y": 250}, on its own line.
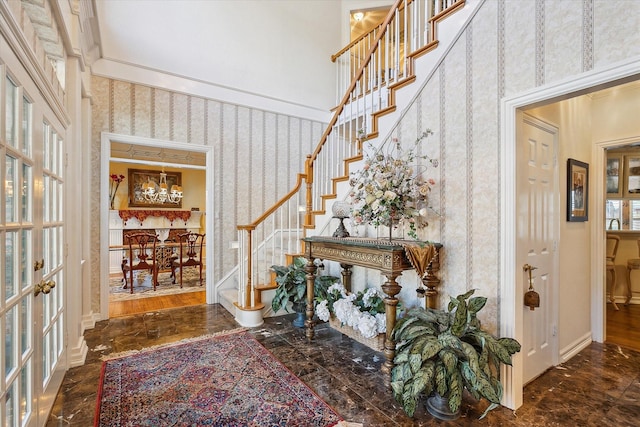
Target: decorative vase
{"x": 300, "y": 309}
{"x": 395, "y": 231}
{"x": 438, "y": 406}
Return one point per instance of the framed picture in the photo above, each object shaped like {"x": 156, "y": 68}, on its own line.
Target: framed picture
{"x": 614, "y": 176}
{"x": 137, "y": 177}
{"x": 577, "y": 190}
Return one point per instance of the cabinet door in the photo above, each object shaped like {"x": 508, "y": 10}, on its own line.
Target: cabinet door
{"x": 632, "y": 181}
{"x": 614, "y": 176}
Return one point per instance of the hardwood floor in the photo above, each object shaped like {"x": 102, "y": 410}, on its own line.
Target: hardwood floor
{"x": 623, "y": 326}
{"x": 143, "y": 305}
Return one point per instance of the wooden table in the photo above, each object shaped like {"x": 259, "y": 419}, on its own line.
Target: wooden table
{"x": 387, "y": 256}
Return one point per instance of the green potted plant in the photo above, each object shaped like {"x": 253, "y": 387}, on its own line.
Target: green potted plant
{"x": 446, "y": 352}
{"x": 292, "y": 286}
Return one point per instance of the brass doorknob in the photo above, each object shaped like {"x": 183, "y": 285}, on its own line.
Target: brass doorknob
{"x": 43, "y": 287}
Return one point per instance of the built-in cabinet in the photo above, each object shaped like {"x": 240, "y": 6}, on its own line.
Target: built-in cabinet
{"x": 622, "y": 208}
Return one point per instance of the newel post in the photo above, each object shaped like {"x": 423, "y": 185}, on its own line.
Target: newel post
{"x": 308, "y": 218}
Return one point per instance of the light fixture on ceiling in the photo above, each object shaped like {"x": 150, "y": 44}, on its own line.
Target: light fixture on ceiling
{"x": 358, "y": 16}
{"x": 160, "y": 193}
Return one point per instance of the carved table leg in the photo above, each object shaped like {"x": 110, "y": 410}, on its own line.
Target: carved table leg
{"x": 391, "y": 288}
{"x": 432, "y": 282}
{"x": 310, "y": 268}
{"x": 346, "y": 276}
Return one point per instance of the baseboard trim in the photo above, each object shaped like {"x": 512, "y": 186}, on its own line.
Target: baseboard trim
{"x": 575, "y": 347}
{"x": 78, "y": 354}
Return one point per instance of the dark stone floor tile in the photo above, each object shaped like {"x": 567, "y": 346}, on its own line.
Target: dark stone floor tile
{"x": 599, "y": 386}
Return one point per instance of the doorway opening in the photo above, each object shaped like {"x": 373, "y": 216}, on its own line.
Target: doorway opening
{"x": 133, "y": 160}
{"x": 576, "y": 329}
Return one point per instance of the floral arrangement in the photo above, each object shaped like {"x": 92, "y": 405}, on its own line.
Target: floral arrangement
{"x": 390, "y": 189}
{"x": 363, "y": 311}
{"x": 113, "y": 187}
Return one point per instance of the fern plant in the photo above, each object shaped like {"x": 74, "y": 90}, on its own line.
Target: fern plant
{"x": 446, "y": 352}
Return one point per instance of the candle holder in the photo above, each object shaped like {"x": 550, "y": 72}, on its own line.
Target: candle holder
{"x": 341, "y": 210}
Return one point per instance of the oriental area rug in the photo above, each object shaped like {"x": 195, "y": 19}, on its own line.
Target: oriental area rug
{"x": 228, "y": 379}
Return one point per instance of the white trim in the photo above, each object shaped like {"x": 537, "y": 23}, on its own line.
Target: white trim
{"x": 575, "y": 347}
{"x": 598, "y": 248}
{"x": 511, "y": 308}
{"x": 123, "y": 71}
{"x": 105, "y": 156}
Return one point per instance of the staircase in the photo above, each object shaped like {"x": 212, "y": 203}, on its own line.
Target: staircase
{"x": 377, "y": 79}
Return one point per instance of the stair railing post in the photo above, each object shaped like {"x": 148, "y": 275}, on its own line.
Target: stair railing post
{"x": 308, "y": 218}
{"x": 248, "y": 286}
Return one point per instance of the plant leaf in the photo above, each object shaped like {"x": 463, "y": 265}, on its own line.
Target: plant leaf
{"x": 449, "y": 359}
{"x": 430, "y": 348}
{"x": 415, "y": 361}
{"x": 441, "y": 379}
{"x": 456, "y": 386}
{"x": 476, "y": 304}
{"x": 489, "y": 408}
{"x": 460, "y": 319}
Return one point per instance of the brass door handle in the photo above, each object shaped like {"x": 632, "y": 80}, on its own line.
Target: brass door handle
{"x": 43, "y": 287}
{"x": 531, "y": 297}
{"x": 37, "y": 265}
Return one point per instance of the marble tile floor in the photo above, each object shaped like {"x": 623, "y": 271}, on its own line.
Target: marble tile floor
{"x": 598, "y": 387}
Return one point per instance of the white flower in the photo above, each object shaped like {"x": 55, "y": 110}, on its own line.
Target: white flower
{"x": 367, "y": 326}
{"x": 322, "y": 310}
{"x": 381, "y": 320}
{"x": 368, "y": 295}
{"x": 339, "y": 287}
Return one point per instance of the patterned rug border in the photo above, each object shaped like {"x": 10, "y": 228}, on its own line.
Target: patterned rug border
{"x": 127, "y": 353}
{"x": 106, "y": 358}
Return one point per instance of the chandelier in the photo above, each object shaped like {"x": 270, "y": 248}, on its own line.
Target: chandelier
{"x": 160, "y": 193}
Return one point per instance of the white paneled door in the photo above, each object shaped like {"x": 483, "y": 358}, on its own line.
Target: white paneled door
{"x": 32, "y": 347}
{"x": 537, "y": 229}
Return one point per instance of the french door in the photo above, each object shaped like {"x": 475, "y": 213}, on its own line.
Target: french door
{"x": 32, "y": 322}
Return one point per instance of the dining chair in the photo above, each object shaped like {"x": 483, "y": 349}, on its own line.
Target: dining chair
{"x": 190, "y": 254}
{"x": 612, "y": 249}
{"x": 632, "y": 264}
{"x": 140, "y": 255}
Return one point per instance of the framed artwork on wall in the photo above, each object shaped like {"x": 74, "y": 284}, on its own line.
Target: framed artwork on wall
{"x": 138, "y": 177}
{"x": 577, "y": 191}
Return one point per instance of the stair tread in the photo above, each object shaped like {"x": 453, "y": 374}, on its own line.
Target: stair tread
{"x": 266, "y": 286}
{"x": 256, "y": 307}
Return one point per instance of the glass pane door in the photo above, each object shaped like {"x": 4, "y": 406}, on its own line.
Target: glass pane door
{"x": 51, "y": 302}
{"x": 32, "y": 348}
{"x": 16, "y": 261}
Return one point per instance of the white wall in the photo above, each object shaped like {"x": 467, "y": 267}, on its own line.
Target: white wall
{"x": 276, "y": 49}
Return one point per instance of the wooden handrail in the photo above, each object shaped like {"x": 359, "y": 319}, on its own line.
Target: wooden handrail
{"x": 363, "y": 36}
{"x": 279, "y": 203}
{"x": 354, "y": 80}
{"x": 337, "y": 111}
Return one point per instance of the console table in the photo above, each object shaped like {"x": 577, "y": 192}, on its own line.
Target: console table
{"x": 387, "y": 256}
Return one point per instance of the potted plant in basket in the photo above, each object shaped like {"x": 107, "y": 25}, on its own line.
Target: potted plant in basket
{"x": 292, "y": 286}
{"x": 446, "y": 352}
